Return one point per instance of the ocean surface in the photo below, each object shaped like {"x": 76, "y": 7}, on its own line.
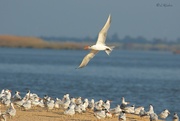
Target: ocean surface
{"x": 142, "y": 77}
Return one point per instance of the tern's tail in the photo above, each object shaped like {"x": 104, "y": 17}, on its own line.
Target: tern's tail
{"x": 109, "y": 50}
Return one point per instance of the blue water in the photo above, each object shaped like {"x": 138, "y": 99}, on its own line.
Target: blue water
{"x": 142, "y": 77}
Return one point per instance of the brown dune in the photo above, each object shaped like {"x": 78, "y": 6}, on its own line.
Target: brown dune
{"x": 35, "y": 42}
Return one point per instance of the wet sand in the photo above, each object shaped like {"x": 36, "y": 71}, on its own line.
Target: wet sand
{"x": 41, "y": 114}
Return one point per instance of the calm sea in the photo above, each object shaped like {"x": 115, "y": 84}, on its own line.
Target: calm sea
{"x": 142, "y": 77}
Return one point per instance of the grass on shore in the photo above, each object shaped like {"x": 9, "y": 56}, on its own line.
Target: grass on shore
{"x": 35, "y": 42}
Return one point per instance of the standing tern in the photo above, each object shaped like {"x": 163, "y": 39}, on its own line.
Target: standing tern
{"x": 151, "y": 109}
{"x": 142, "y": 112}
{"x": 153, "y": 117}
{"x": 101, "y": 114}
{"x": 130, "y": 109}
{"x": 164, "y": 114}
{"x": 123, "y": 103}
{"x": 122, "y": 116}
{"x": 99, "y": 46}
{"x": 11, "y": 110}
{"x": 70, "y": 111}
{"x": 138, "y": 110}
{"x": 116, "y": 111}
{"x": 175, "y": 117}
{"x": 91, "y": 104}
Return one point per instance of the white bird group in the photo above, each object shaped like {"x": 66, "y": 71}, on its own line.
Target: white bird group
{"x": 101, "y": 109}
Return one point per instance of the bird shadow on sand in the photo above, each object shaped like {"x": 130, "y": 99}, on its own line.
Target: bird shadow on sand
{"x": 49, "y": 116}
{"x": 58, "y": 113}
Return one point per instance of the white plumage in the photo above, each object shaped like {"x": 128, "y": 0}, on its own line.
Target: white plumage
{"x": 99, "y": 46}
{"x": 164, "y": 114}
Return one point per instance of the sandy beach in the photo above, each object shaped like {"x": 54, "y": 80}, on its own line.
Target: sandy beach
{"x": 40, "y": 114}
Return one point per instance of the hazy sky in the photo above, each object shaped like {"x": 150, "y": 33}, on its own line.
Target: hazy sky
{"x": 82, "y": 18}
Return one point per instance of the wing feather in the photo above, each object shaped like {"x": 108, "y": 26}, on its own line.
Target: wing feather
{"x": 87, "y": 58}
{"x": 103, "y": 33}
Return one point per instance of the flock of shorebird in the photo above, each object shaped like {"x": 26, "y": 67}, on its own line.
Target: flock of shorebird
{"x": 101, "y": 109}
{"x": 72, "y": 105}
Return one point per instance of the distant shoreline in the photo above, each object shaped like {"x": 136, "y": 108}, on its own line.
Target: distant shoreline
{"x": 12, "y": 41}
{"x": 34, "y": 42}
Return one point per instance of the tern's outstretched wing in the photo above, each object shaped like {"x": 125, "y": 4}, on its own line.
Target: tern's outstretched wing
{"x": 103, "y": 33}
{"x": 87, "y": 58}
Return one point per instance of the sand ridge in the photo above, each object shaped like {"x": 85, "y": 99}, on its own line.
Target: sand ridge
{"x": 41, "y": 114}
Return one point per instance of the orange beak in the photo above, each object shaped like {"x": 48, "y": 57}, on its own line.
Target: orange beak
{"x": 86, "y": 47}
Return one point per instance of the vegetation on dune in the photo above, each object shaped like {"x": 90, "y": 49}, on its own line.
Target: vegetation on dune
{"x": 35, "y": 42}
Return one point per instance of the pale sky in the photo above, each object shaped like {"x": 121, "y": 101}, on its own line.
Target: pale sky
{"x": 82, "y": 18}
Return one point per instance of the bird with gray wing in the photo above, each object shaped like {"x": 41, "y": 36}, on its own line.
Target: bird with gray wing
{"x": 123, "y": 103}
{"x": 130, "y": 109}
{"x": 16, "y": 97}
{"x": 11, "y": 111}
{"x": 122, "y": 116}
{"x": 153, "y": 117}
{"x": 175, "y": 117}
{"x": 116, "y": 111}
{"x": 91, "y": 104}
{"x": 151, "y": 109}
{"x": 100, "y": 114}
{"x": 164, "y": 114}
{"x": 142, "y": 112}
{"x": 70, "y": 110}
